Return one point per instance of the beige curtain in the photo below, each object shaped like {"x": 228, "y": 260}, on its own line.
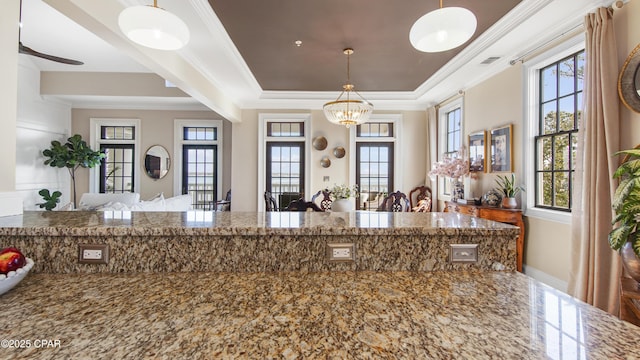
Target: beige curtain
{"x": 595, "y": 269}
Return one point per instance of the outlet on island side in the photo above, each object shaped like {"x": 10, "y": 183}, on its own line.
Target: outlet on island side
{"x": 463, "y": 253}
{"x": 93, "y": 253}
{"x": 341, "y": 252}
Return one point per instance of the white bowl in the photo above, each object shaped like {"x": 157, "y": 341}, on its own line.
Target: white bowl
{"x": 7, "y": 282}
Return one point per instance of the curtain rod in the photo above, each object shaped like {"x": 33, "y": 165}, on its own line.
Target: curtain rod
{"x": 616, "y": 5}
{"x": 449, "y": 99}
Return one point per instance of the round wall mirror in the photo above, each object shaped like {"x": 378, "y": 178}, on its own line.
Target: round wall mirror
{"x": 157, "y": 162}
{"x": 629, "y": 81}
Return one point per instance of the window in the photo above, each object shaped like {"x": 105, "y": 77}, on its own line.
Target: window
{"x": 554, "y": 96}
{"x": 118, "y": 139}
{"x": 450, "y": 124}
{"x": 283, "y": 169}
{"x": 116, "y": 170}
{"x": 375, "y": 160}
{"x": 560, "y": 108}
{"x": 199, "y": 148}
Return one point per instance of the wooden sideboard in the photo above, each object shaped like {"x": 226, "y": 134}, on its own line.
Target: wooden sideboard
{"x": 508, "y": 216}
{"x": 629, "y": 300}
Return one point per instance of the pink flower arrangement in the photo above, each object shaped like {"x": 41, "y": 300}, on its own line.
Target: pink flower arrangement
{"x": 452, "y": 166}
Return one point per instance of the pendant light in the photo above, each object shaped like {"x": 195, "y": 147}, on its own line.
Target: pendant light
{"x": 348, "y": 111}
{"x": 443, "y": 29}
{"x": 153, "y": 27}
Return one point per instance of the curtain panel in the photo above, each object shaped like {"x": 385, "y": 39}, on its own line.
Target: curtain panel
{"x": 595, "y": 268}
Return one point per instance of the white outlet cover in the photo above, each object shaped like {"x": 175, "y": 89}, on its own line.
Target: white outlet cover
{"x": 341, "y": 252}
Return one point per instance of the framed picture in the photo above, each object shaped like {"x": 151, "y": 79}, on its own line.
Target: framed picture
{"x": 502, "y": 149}
{"x": 477, "y": 152}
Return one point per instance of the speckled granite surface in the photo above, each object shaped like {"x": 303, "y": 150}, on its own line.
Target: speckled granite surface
{"x": 77, "y": 223}
{"x": 251, "y": 242}
{"x": 316, "y": 315}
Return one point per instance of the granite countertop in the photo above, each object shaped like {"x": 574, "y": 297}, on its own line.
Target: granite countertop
{"x": 82, "y": 223}
{"x": 342, "y": 315}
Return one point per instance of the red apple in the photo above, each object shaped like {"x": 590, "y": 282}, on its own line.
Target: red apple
{"x": 11, "y": 259}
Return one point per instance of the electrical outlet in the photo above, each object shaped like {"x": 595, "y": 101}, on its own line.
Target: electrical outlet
{"x": 88, "y": 254}
{"x": 341, "y": 252}
{"x": 463, "y": 253}
{"x": 93, "y": 253}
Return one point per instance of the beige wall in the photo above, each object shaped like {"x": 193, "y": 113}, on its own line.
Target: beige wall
{"x": 499, "y": 100}
{"x": 156, "y": 129}
{"x": 492, "y": 104}
{"x": 245, "y": 155}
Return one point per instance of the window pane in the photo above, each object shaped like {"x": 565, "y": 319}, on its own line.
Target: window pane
{"x": 561, "y": 152}
{"x": 567, "y": 78}
{"x": 549, "y": 113}
{"x": 544, "y": 154}
{"x": 364, "y": 154}
{"x": 562, "y": 189}
{"x": 580, "y": 71}
{"x": 567, "y": 107}
{"x": 549, "y": 83}
{"x": 545, "y": 189}
{"x": 375, "y": 130}
{"x": 375, "y": 154}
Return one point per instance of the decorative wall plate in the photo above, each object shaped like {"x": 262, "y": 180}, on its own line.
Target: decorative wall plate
{"x": 320, "y": 143}
{"x": 339, "y": 152}
{"x": 325, "y": 162}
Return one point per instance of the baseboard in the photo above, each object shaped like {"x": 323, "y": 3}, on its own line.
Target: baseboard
{"x": 545, "y": 278}
{"x": 10, "y": 204}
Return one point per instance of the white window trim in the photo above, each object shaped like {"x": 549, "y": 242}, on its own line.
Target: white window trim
{"x": 442, "y": 138}
{"x": 262, "y": 148}
{"x": 531, "y": 113}
{"x": 396, "y": 120}
{"x": 178, "y": 141}
{"x": 95, "y": 125}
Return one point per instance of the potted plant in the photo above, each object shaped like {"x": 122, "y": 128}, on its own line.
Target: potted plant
{"x": 340, "y": 194}
{"x": 454, "y": 167}
{"x": 624, "y": 236}
{"x": 75, "y": 153}
{"x": 507, "y": 187}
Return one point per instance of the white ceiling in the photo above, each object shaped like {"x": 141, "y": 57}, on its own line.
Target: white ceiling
{"x": 212, "y": 71}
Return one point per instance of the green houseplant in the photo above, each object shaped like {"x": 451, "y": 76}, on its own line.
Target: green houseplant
{"x": 340, "y": 195}
{"x": 507, "y": 187}
{"x": 73, "y": 154}
{"x": 626, "y": 203}
{"x": 51, "y": 200}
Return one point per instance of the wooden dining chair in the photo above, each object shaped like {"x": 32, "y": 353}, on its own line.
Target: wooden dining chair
{"x": 420, "y": 193}
{"x": 302, "y": 205}
{"x": 270, "y": 202}
{"x": 395, "y": 202}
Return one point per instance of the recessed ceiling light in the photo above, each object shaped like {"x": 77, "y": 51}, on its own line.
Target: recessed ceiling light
{"x": 298, "y": 43}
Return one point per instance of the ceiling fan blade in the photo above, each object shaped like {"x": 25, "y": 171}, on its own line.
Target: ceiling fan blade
{"x": 29, "y": 51}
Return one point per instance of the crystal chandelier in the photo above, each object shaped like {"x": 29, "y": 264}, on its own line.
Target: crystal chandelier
{"x": 349, "y": 111}
{"x": 443, "y": 29}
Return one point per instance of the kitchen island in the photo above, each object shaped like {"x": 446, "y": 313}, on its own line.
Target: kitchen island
{"x": 203, "y": 285}
{"x": 204, "y": 241}
{"x": 305, "y": 315}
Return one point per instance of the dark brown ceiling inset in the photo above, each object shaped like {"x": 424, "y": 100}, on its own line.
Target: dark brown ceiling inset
{"x": 265, "y": 33}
